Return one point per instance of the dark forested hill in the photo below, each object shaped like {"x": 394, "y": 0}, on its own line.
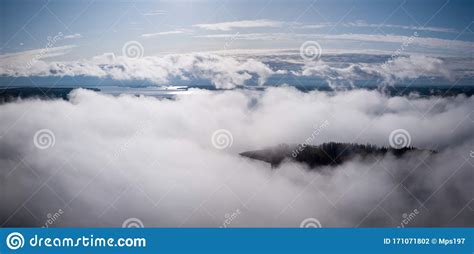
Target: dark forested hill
{"x": 322, "y": 155}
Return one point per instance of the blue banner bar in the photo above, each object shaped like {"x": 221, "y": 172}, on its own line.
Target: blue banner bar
{"x": 237, "y": 240}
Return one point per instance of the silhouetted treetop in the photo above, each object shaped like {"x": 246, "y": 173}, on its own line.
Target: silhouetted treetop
{"x": 327, "y": 154}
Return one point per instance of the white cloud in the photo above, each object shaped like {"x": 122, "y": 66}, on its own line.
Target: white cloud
{"x": 73, "y": 36}
{"x": 229, "y": 71}
{"x": 406, "y": 27}
{"x": 314, "y": 26}
{"x": 423, "y": 41}
{"x": 398, "y": 69}
{"x": 227, "y": 26}
{"x": 121, "y": 157}
{"x": 443, "y": 45}
{"x": 246, "y": 36}
{"x": 368, "y": 25}
{"x": 223, "y": 72}
{"x": 15, "y": 63}
{"x": 154, "y": 13}
{"x": 148, "y": 35}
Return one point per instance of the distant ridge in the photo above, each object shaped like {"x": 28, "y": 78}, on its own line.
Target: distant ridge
{"x": 14, "y": 93}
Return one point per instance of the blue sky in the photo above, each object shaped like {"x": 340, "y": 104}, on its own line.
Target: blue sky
{"x": 94, "y": 27}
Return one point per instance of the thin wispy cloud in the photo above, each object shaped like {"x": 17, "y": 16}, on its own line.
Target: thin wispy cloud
{"x": 245, "y": 36}
{"x": 73, "y": 36}
{"x": 154, "y": 13}
{"x": 363, "y": 24}
{"x": 423, "y": 41}
{"x": 429, "y": 42}
{"x": 227, "y": 26}
{"x": 148, "y": 35}
{"x": 409, "y": 27}
{"x": 314, "y": 26}
{"x": 41, "y": 53}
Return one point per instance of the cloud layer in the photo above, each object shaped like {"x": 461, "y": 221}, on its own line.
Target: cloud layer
{"x": 223, "y": 72}
{"x": 119, "y": 157}
{"x": 393, "y": 70}
{"x": 227, "y": 71}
